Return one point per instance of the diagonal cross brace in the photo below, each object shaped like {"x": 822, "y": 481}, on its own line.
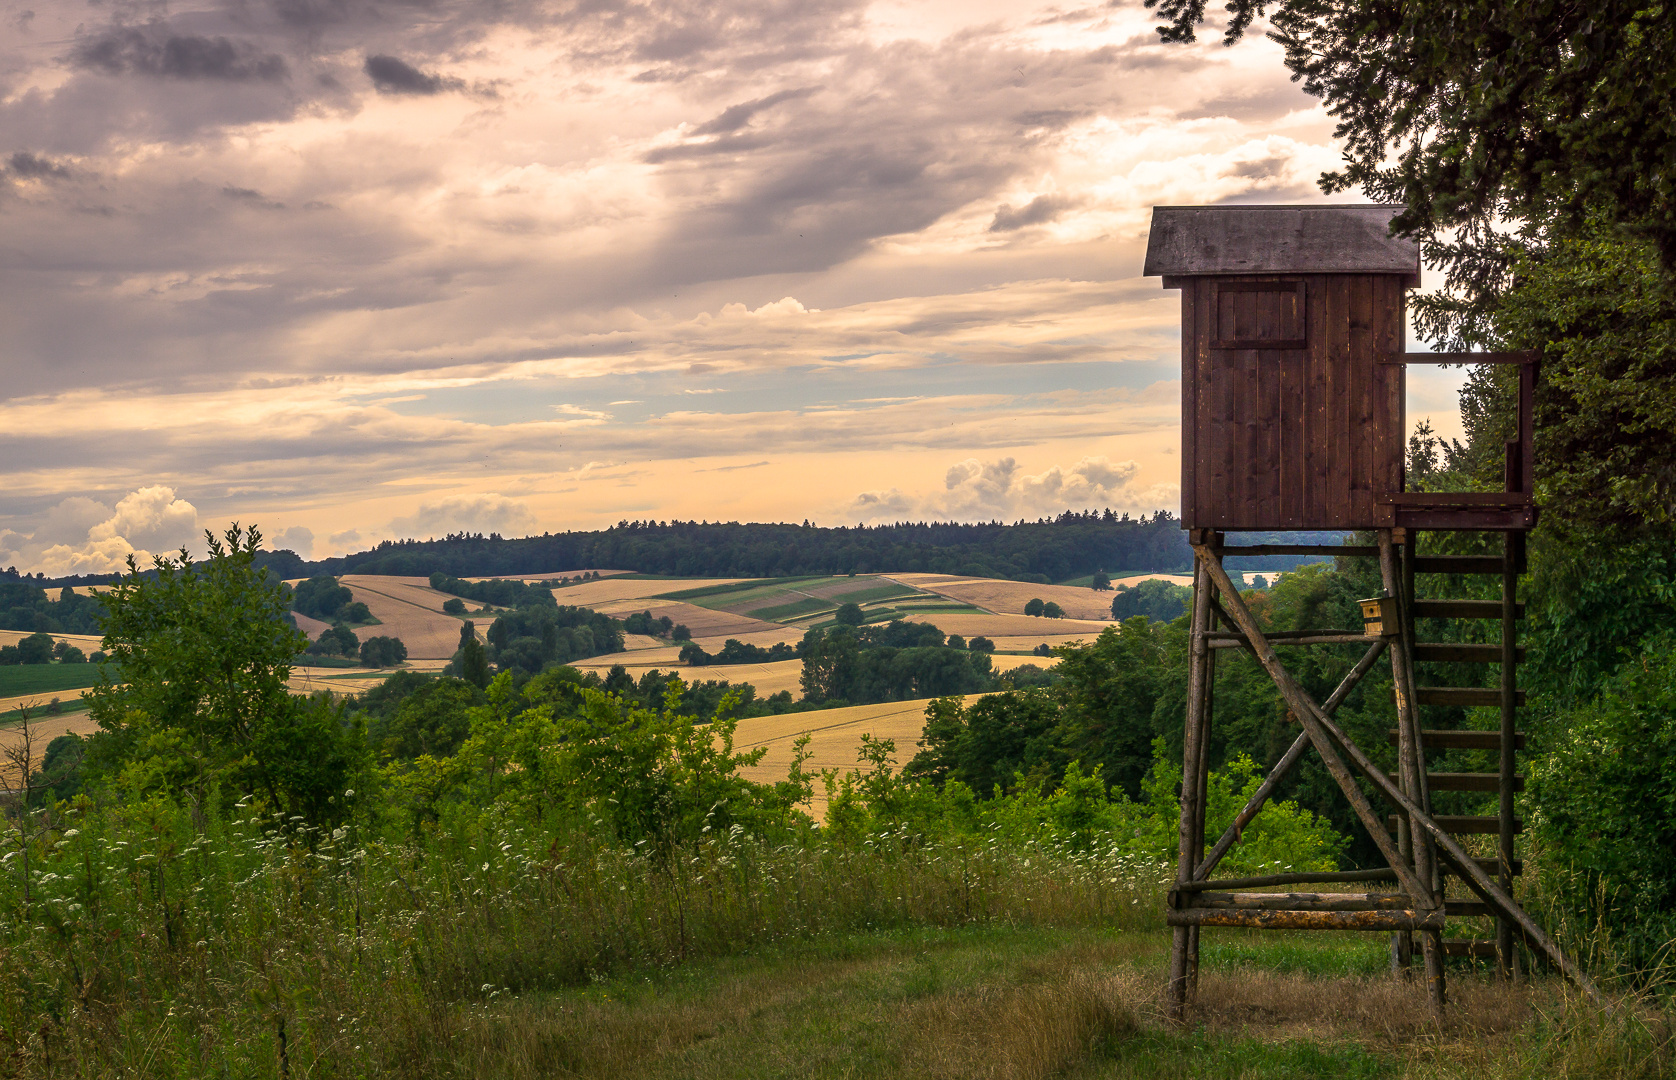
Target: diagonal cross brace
{"x": 1323, "y": 732}
{"x": 1293, "y": 755}
{"x": 1308, "y": 714}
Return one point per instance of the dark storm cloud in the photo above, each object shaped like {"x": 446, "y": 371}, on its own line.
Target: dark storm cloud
{"x": 1038, "y": 211}
{"x": 391, "y": 75}
{"x": 122, "y": 50}
{"x": 34, "y": 167}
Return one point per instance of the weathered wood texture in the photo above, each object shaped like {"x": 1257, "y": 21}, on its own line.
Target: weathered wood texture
{"x": 1278, "y": 239}
{"x": 1284, "y": 431}
{"x": 1307, "y": 920}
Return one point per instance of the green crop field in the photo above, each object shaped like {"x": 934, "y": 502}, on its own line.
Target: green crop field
{"x": 876, "y": 592}
{"x": 47, "y": 678}
{"x": 769, "y": 586}
{"x": 782, "y": 612}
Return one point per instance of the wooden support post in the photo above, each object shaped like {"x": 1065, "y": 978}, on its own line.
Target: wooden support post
{"x": 1309, "y": 714}
{"x": 1188, "y": 844}
{"x": 1412, "y": 770}
{"x": 1206, "y": 723}
{"x": 1508, "y": 765}
{"x": 1451, "y": 851}
{"x": 1403, "y": 953}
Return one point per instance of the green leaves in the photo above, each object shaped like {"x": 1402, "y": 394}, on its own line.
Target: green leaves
{"x": 1603, "y": 806}
{"x": 202, "y": 702}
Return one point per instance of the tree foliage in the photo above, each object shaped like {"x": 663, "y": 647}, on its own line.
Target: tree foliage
{"x": 1604, "y": 793}
{"x": 202, "y": 703}
{"x": 1157, "y": 599}
{"x": 1467, "y": 113}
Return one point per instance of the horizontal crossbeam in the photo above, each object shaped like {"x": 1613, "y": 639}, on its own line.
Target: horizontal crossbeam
{"x": 1308, "y": 920}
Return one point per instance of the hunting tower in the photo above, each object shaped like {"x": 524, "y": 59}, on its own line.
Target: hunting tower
{"x": 1292, "y": 328}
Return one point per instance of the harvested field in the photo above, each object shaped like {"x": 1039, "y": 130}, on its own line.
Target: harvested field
{"x": 594, "y": 593}
{"x": 835, "y": 737}
{"x": 1025, "y": 644}
{"x": 1021, "y": 626}
{"x": 552, "y": 575}
{"x": 767, "y": 678}
{"x": 312, "y": 680}
{"x": 1009, "y": 597}
{"x": 1174, "y": 579}
{"x": 703, "y": 622}
{"x": 87, "y": 643}
{"x": 1007, "y": 663}
{"x": 409, "y": 609}
{"x": 310, "y": 626}
{"x": 42, "y": 732}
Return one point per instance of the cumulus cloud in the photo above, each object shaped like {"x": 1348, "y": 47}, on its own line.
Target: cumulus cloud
{"x": 268, "y": 249}
{"x": 296, "y": 538}
{"x": 998, "y": 489}
{"x": 79, "y": 535}
{"x": 486, "y": 513}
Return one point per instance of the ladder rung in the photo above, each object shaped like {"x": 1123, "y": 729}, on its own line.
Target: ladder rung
{"x": 1463, "y": 696}
{"x": 1466, "y": 908}
{"x": 1458, "y": 564}
{"x": 1466, "y": 824}
{"x": 1452, "y": 653}
{"x": 1469, "y": 781}
{"x": 1463, "y": 609}
{"x": 1491, "y": 867}
{"x": 1478, "y": 950}
{"x": 1463, "y": 740}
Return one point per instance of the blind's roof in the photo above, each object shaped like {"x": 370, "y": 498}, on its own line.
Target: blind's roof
{"x": 1190, "y": 240}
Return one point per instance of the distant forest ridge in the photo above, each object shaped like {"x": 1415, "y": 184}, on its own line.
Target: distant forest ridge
{"x": 1063, "y": 548}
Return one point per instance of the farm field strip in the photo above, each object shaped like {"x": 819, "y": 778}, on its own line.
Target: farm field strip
{"x": 1009, "y": 597}
{"x": 770, "y": 678}
{"x": 87, "y": 643}
{"x": 552, "y": 575}
{"x": 47, "y": 678}
{"x": 42, "y": 731}
{"x": 592, "y": 593}
{"x": 835, "y": 737}
{"x": 992, "y": 626}
{"x": 427, "y": 631}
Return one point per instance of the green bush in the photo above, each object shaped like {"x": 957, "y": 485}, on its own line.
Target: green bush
{"x": 1603, "y": 808}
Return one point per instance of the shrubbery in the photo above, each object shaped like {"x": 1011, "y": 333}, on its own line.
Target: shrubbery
{"x": 1603, "y": 801}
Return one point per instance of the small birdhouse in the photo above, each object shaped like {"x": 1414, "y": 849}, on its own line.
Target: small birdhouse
{"x": 1292, "y": 409}
{"x": 1379, "y": 617}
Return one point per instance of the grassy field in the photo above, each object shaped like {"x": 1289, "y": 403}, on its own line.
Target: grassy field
{"x": 46, "y": 678}
{"x": 1030, "y": 1003}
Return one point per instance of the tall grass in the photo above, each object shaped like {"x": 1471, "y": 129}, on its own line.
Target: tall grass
{"x": 157, "y": 940}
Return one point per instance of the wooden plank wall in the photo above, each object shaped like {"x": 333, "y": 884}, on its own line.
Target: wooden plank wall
{"x": 1292, "y": 438}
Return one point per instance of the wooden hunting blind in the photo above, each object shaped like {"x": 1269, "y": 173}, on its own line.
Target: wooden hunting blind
{"x": 1293, "y": 419}
{"x": 1288, "y": 418}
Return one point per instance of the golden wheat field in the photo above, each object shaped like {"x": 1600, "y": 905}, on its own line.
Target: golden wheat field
{"x": 87, "y": 643}
{"x": 767, "y": 678}
{"x": 42, "y": 732}
{"x": 835, "y": 736}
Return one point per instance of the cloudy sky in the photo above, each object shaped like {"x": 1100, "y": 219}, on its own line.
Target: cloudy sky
{"x": 360, "y": 269}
